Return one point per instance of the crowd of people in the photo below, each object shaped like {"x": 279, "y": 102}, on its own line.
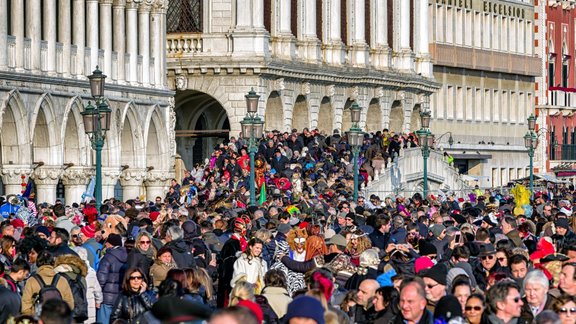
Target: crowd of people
{"x": 305, "y": 253}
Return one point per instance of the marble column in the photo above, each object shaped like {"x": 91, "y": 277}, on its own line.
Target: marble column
{"x": 45, "y": 179}
{"x": 105, "y": 33}
{"x": 359, "y": 47}
{"x": 249, "y": 36}
{"x": 308, "y": 44}
{"x": 157, "y": 184}
{"x": 92, "y": 33}
{"x": 144, "y": 41}
{"x": 424, "y": 59}
{"x": 17, "y": 24}
{"x": 120, "y": 38}
{"x": 381, "y": 53}
{"x": 34, "y": 33}
{"x": 79, "y": 25}
{"x": 405, "y": 57}
{"x": 3, "y": 34}
{"x": 110, "y": 176}
{"x": 157, "y": 39}
{"x": 49, "y": 30}
{"x": 65, "y": 35}
{"x": 283, "y": 42}
{"x": 75, "y": 180}
{"x": 131, "y": 181}
{"x": 12, "y": 178}
{"x": 132, "y": 40}
{"x": 334, "y": 51}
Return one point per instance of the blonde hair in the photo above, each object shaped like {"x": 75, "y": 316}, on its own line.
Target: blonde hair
{"x": 263, "y": 234}
{"x": 197, "y": 278}
{"x": 243, "y": 290}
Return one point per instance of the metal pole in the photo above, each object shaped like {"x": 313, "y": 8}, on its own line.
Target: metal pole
{"x": 425, "y": 154}
{"x": 355, "y": 150}
{"x": 252, "y": 151}
{"x": 531, "y": 154}
{"x": 98, "y": 143}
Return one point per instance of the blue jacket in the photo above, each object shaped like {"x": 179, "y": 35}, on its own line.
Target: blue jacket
{"x": 111, "y": 273}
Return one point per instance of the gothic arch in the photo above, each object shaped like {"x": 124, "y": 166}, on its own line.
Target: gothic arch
{"x": 274, "y": 114}
{"x": 156, "y": 141}
{"x": 74, "y": 140}
{"x": 346, "y": 116}
{"x": 396, "y": 124}
{"x": 374, "y": 116}
{"x": 131, "y": 141}
{"x": 301, "y": 113}
{"x": 326, "y": 116}
{"x": 43, "y": 130}
{"x": 415, "y": 122}
{"x": 14, "y": 131}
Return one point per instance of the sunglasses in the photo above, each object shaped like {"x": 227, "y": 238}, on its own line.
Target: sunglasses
{"x": 567, "y": 310}
{"x": 145, "y": 242}
{"x": 516, "y": 299}
{"x": 501, "y": 259}
{"x": 431, "y": 286}
{"x": 136, "y": 278}
{"x": 476, "y": 308}
{"x": 488, "y": 257}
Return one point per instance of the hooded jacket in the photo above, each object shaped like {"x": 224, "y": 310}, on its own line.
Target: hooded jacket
{"x": 111, "y": 272}
{"x": 32, "y": 287}
{"x": 182, "y": 254}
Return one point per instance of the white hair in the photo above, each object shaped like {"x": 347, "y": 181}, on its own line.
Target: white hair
{"x": 536, "y": 277}
{"x": 175, "y": 232}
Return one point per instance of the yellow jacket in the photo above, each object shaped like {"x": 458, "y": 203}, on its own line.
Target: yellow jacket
{"x": 32, "y": 287}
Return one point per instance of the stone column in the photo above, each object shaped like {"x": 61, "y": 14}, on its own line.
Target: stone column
{"x": 283, "y": 42}
{"x": 120, "y": 38}
{"x": 49, "y": 29}
{"x": 144, "y": 41}
{"x": 334, "y": 52}
{"x": 75, "y": 180}
{"x": 157, "y": 40}
{"x": 17, "y": 23}
{"x": 79, "y": 25}
{"x": 359, "y": 47}
{"x": 64, "y": 35}
{"x": 46, "y": 178}
{"x": 132, "y": 40}
{"x": 12, "y": 177}
{"x": 34, "y": 32}
{"x": 405, "y": 57}
{"x": 3, "y": 34}
{"x": 157, "y": 184}
{"x": 424, "y": 60}
{"x": 249, "y": 36}
{"x": 106, "y": 35}
{"x": 308, "y": 44}
{"x": 110, "y": 177}
{"x": 132, "y": 180}
{"x": 92, "y": 32}
{"x": 381, "y": 53}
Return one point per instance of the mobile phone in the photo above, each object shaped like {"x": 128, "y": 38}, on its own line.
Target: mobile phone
{"x": 457, "y": 238}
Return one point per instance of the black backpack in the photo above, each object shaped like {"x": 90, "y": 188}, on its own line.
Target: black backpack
{"x": 46, "y": 292}
{"x": 78, "y": 288}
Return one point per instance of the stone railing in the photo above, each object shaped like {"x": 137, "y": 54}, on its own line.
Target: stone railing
{"x": 560, "y": 98}
{"x": 184, "y": 44}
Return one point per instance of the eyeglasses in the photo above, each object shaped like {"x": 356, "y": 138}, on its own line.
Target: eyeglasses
{"x": 516, "y": 299}
{"x": 135, "y": 278}
{"x": 144, "y": 242}
{"x": 431, "y": 286}
{"x": 476, "y": 308}
{"x": 501, "y": 259}
{"x": 488, "y": 257}
{"x": 568, "y": 310}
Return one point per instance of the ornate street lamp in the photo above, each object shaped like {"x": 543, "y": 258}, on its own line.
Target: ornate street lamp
{"x": 531, "y": 143}
{"x": 252, "y": 129}
{"x": 96, "y": 123}
{"x": 426, "y": 140}
{"x": 355, "y": 139}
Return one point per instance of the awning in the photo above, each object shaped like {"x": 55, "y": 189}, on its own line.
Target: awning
{"x": 472, "y": 156}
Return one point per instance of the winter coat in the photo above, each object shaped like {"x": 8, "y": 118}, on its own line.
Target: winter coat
{"x": 130, "y": 306}
{"x": 93, "y": 294}
{"x": 527, "y": 312}
{"x": 254, "y": 268}
{"x": 73, "y": 267}
{"x": 33, "y": 287}
{"x": 182, "y": 254}
{"x": 61, "y": 249}
{"x": 111, "y": 272}
{"x": 159, "y": 270}
{"x": 278, "y": 298}
{"x": 137, "y": 259}
{"x": 427, "y": 318}
{"x": 9, "y": 303}
{"x": 93, "y": 256}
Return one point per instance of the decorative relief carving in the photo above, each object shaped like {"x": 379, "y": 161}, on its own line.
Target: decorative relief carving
{"x": 77, "y": 176}
{"x": 379, "y": 92}
{"x": 181, "y": 82}
{"x": 133, "y": 177}
{"x": 46, "y": 175}
{"x": 12, "y": 175}
{"x": 157, "y": 178}
{"x": 331, "y": 90}
{"x": 305, "y": 88}
{"x": 354, "y": 91}
{"x": 279, "y": 85}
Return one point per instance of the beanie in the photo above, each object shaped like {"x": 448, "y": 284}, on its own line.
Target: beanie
{"x": 447, "y": 308}
{"x": 154, "y": 215}
{"x": 437, "y": 273}
{"x": 254, "y": 308}
{"x": 306, "y": 307}
{"x": 422, "y": 263}
{"x": 88, "y": 230}
{"x": 437, "y": 229}
{"x": 114, "y": 239}
{"x": 44, "y": 230}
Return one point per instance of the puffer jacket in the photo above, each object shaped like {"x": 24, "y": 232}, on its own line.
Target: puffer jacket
{"x": 110, "y": 274}
{"x": 130, "y": 306}
{"x": 182, "y": 254}
{"x": 32, "y": 287}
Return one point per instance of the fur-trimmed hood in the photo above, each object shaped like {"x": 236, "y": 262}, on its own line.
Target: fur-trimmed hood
{"x": 68, "y": 262}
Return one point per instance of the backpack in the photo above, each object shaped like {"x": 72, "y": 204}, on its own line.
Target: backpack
{"x": 95, "y": 253}
{"x": 46, "y": 292}
{"x": 78, "y": 288}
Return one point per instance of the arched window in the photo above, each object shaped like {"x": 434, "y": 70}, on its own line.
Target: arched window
{"x": 184, "y": 16}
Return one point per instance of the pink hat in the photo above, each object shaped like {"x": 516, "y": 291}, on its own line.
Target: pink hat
{"x": 422, "y": 263}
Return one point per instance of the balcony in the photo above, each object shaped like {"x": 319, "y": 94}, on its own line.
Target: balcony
{"x": 563, "y": 152}
{"x": 559, "y": 97}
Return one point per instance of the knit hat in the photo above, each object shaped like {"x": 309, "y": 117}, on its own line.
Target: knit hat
{"x": 468, "y": 268}
{"x": 436, "y": 273}
{"x": 437, "y": 229}
{"x": 426, "y": 248}
{"x": 44, "y": 230}
{"x": 453, "y": 273}
{"x": 306, "y": 307}
{"x": 114, "y": 239}
{"x": 254, "y": 308}
{"x": 154, "y": 215}
{"x": 447, "y": 308}
{"x": 88, "y": 230}
{"x": 562, "y": 222}
{"x": 422, "y": 263}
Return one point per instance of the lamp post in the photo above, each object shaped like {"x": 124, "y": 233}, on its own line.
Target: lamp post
{"x": 426, "y": 140}
{"x": 96, "y": 123}
{"x": 531, "y": 143}
{"x": 252, "y": 128}
{"x": 355, "y": 139}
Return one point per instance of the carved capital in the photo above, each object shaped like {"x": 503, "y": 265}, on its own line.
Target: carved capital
{"x": 77, "y": 176}
{"x": 12, "y": 174}
{"x": 158, "y": 178}
{"x": 47, "y": 175}
{"x": 119, "y": 3}
{"x": 110, "y": 176}
{"x": 132, "y": 177}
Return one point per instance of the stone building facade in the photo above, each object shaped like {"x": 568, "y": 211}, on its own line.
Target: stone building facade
{"x": 484, "y": 57}
{"x": 47, "y": 48}
{"x": 308, "y": 61}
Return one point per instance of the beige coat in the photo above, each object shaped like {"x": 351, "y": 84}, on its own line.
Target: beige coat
{"x": 278, "y": 298}
{"x": 159, "y": 270}
{"x": 32, "y": 287}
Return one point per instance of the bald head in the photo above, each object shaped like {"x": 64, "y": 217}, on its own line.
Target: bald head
{"x": 366, "y": 291}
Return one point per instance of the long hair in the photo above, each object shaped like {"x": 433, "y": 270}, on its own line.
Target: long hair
{"x": 248, "y": 253}
{"x": 180, "y": 276}
{"x": 6, "y": 243}
{"x": 126, "y": 282}
{"x": 151, "y": 249}
{"x": 243, "y": 290}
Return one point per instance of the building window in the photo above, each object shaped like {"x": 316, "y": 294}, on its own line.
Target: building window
{"x": 551, "y": 73}
{"x": 565, "y": 71}
{"x": 184, "y": 16}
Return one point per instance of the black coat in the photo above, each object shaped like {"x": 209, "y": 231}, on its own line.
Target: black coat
{"x": 226, "y": 268}
{"x": 138, "y": 260}
{"x": 182, "y": 254}
{"x": 10, "y": 303}
{"x": 279, "y": 164}
{"x": 130, "y": 307}
{"x": 61, "y": 249}
{"x": 110, "y": 274}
